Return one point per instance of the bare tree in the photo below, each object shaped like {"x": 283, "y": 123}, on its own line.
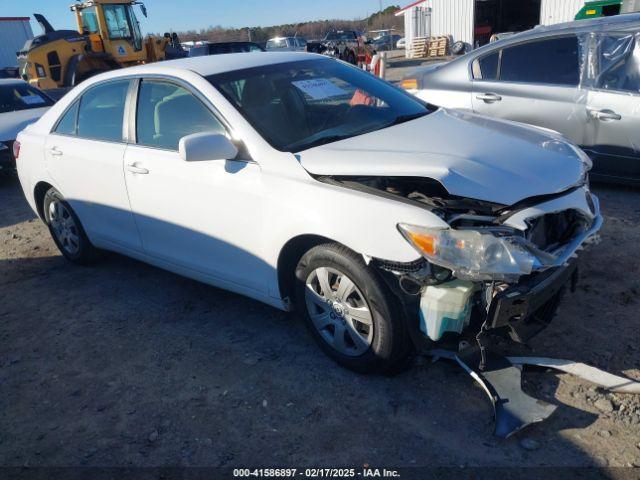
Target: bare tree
{"x": 309, "y": 30}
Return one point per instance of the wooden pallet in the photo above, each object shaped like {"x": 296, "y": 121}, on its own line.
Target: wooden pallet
{"x": 419, "y": 47}
{"x": 429, "y": 47}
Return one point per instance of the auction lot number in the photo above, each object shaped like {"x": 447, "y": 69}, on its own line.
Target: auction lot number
{"x": 313, "y": 472}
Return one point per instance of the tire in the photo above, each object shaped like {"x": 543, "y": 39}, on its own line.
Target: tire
{"x": 338, "y": 318}
{"x": 66, "y": 229}
{"x": 458, "y": 48}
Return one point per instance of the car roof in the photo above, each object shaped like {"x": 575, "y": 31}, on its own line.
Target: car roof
{"x": 626, "y": 21}
{"x": 214, "y": 64}
{"x": 618, "y": 23}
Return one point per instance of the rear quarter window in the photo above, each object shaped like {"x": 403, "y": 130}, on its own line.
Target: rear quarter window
{"x": 486, "y": 68}
{"x": 67, "y": 125}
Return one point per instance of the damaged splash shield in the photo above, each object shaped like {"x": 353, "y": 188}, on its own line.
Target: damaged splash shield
{"x": 501, "y": 380}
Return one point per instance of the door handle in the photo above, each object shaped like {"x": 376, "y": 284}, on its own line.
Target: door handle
{"x": 604, "y": 115}
{"x": 133, "y": 168}
{"x": 55, "y": 151}
{"x": 489, "y": 97}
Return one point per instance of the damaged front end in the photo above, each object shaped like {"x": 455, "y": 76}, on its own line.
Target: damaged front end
{"x": 498, "y": 269}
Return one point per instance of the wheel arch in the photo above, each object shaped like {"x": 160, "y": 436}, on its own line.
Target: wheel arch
{"x": 289, "y": 256}
{"x": 39, "y": 191}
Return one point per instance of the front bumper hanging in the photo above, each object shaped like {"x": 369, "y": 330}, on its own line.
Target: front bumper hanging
{"x": 529, "y": 306}
{"x": 501, "y": 381}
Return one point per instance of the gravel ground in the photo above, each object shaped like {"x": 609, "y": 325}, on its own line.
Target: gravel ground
{"x": 398, "y": 66}
{"x": 122, "y": 364}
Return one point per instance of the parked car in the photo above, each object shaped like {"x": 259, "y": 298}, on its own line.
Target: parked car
{"x": 9, "y": 72}
{"x": 545, "y": 77}
{"x": 348, "y": 45}
{"x": 385, "y": 222}
{"x": 20, "y": 105}
{"x": 224, "y": 47}
{"x": 501, "y": 36}
{"x": 402, "y": 43}
{"x": 287, "y": 44}
{"x": 386, "y": 42}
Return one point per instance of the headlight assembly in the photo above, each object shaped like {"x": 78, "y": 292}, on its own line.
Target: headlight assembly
{"x": 470, "y": 254}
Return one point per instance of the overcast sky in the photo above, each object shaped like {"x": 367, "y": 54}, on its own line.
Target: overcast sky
{"x": 166, "y": 15}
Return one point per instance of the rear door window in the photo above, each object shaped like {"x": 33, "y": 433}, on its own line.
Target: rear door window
{"x": 552, "y": 61}
{"x": 102, "y": 111}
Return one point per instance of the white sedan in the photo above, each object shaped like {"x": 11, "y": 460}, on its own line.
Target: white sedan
{"x": 306, "y": 183}
{"x": 20, "y": 105}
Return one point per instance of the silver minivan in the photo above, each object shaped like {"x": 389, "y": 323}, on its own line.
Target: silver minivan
{"x": 581, "y": 79}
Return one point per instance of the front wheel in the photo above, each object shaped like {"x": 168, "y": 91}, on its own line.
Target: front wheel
{"x": 66, "y": 229}
{"x": 350, "y": 311}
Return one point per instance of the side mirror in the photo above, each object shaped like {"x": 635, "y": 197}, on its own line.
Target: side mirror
{"x": 199, "y": 147}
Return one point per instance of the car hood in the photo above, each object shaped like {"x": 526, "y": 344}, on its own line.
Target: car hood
{"x": 11, "y": 123}
{"x": 470, "y": 155}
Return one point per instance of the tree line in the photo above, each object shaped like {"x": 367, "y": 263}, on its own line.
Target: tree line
{"x": 310, "y": 30}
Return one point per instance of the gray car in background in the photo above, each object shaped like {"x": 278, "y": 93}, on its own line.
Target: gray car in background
{"x": 581, "y": 79}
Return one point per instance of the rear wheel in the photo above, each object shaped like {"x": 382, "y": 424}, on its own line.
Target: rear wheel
{"x": 66, "y": 229}
{"x": 349, "y": 310}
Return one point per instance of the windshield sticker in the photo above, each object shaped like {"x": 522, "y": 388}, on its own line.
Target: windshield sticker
{"x": 32, "y": 100}
{"x": 319, "y": 88}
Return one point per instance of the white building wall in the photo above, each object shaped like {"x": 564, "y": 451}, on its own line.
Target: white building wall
{"x": 13, "y": 34}
{"x": 559, "y": 11}
{"x": 456, "y": 18}
{"x": 453, "y": 17}
{"x": 417, "y": 23}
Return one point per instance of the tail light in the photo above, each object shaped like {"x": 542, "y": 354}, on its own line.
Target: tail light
{"x": 16, "y": 149}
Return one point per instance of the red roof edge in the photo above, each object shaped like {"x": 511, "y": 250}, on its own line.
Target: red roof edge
{"x": 409, "y": 6}
{"x": 14, "y": 19}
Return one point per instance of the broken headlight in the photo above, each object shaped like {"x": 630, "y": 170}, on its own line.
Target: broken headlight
{"x": 470, "y": 254}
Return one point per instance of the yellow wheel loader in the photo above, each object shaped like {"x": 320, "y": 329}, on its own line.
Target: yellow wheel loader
{"x": 108, "y": 37}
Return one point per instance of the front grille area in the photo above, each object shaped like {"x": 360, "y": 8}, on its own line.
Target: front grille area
{"x": 555, "y": 229}
{"x": 411, "y": 267}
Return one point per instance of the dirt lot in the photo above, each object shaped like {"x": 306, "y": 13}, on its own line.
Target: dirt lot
{"x": 122, "y": 364}
{"x": 398, "y": 66}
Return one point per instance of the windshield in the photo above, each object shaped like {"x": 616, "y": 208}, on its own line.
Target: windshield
{"x": 117, "y": 21}
{"x": 21, "y": 97}
{"x": 299, "y": 105}
{"x": 277, "y": 43}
